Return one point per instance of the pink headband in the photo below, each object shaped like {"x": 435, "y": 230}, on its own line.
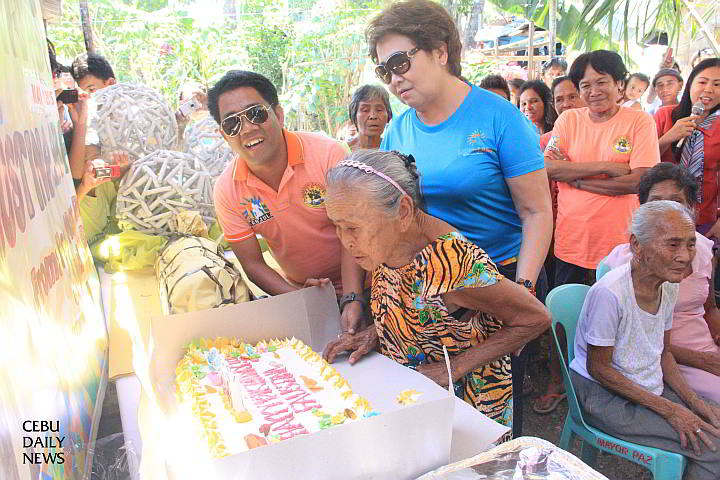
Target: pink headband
{"x": 368, "y": 169}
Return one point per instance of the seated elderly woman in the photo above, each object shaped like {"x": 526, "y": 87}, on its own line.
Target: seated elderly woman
{"x": 695, "y": 334}
{"x": 624, "y": 373}
{"x": 430, "y": 286}
{"x": 370, "y": 112}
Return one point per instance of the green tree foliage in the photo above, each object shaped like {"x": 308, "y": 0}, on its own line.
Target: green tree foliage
{"x": 162, "y": 49}
{"x": 614, "y": 24}
{"x": 267, "y": 50}
{"x": 475, "y": 71}
{"x": 326, "y": 60}
{"x": 314, "y": 51}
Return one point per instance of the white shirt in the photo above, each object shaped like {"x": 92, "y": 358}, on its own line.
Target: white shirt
{"x": 611, "y": 317}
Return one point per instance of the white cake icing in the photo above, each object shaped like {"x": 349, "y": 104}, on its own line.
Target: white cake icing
{"x": 243, "y": 396}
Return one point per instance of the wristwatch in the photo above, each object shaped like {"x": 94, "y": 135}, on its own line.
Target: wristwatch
{"x": 527, "y": 284}
{"x": 351, "y": 297}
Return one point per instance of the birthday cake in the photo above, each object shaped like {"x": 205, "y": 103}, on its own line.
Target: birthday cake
{"x": 242, "y": 396}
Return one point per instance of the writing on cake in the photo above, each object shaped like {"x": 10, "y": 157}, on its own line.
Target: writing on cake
{"x": 271, "y": 406}
{"x": 241, "y": 396}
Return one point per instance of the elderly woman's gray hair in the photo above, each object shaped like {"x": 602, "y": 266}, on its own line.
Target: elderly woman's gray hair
{"x": 650, "y": 215}
{"x": 379, "y": 191}
{"x": 367, "y": 93}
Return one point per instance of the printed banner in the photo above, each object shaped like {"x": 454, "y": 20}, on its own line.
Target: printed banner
{"x": 53, "y": 341}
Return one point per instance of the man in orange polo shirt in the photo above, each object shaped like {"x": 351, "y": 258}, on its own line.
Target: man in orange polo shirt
{"x": 275, "y": 187}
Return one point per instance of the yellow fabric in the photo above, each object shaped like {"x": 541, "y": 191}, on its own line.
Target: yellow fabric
{"x": 96, "y": 211}
{"x": 129, "y": 250}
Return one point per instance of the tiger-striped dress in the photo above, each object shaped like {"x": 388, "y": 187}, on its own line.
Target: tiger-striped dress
{"x": 413, "y": 322}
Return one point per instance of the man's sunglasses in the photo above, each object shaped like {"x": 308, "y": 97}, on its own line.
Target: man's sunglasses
{"x": 397, "y": 63}
{"x": 257, "y": 115}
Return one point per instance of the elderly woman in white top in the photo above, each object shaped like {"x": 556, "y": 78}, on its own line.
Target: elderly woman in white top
{"x": 695, "y": 335}
{"x": 625, "y": 375}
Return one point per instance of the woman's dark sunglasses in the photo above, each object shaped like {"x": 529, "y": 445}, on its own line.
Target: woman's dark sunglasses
{"x": 257, "y": 114}
{"x": 397, "y": 63}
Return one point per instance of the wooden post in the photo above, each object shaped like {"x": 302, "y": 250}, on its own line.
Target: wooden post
{"x": 531, "y": 51}
{"x": 552, "y": 24}
{"x": 86, "y": 26}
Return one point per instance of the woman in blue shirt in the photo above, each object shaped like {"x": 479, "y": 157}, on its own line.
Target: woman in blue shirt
{"x": 480, "y": 162}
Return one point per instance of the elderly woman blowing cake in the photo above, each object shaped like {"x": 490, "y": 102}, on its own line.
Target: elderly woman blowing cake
{"x": 430, "y": 286}
{"x": 624, "y": 371}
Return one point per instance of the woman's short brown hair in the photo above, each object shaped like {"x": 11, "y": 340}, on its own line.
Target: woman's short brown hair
{"x": 425, "y": 22}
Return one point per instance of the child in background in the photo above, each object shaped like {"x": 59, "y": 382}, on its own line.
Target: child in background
{"x": 635, "y": 87}
{"x": 514, "y": 84}
{"x": 92, "y": 72}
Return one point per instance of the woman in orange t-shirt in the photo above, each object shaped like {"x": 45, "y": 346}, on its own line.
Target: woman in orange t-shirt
{"x": 699, "y": 151}
{"x": 597, "y": 155}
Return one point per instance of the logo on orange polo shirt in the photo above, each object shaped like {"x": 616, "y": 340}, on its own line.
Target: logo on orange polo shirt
{"x": 314, "y": 195}
{"x": 622, "y": 145}
{"x": 256, "y": 211}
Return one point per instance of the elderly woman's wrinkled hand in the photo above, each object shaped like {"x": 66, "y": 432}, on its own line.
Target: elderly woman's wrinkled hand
{"x": 437, "y": 372}
{"x": 358, "y": 344}
{"x": 352, "y": 317}
{"x": 708, "y": 412}
{"x": 692, "y": 429}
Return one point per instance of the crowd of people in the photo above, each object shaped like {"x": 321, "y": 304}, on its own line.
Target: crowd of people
{"x": 444, "y": 227}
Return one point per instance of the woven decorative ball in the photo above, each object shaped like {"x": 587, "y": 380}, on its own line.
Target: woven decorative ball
{"x": 159, "y": 185}
{"x": 203, "y": 141}
{"x": 133, "y": 118}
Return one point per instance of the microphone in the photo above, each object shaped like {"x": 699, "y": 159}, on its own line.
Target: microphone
{"x": 697, "y": 109}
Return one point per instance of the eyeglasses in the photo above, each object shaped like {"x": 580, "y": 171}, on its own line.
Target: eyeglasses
{"x": 397, "y": 63}
{"x": 256, "y": 114}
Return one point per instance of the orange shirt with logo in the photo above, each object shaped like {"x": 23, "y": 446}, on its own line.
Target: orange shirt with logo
{"x": 590, "y": 225}
{"x": 293, "y": 219}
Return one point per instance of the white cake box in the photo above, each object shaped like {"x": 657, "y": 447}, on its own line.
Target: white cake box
{"x": 403, "y": 442}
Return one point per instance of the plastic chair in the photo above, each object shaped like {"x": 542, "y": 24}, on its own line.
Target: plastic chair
{"x": 601, "y": 269}
{"x": 565, "y": 303}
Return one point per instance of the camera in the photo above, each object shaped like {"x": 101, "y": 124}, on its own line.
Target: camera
{"x": 68, "y": 96}
{"x": 192, "y": 105}
{"x": 109, "y": 171}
